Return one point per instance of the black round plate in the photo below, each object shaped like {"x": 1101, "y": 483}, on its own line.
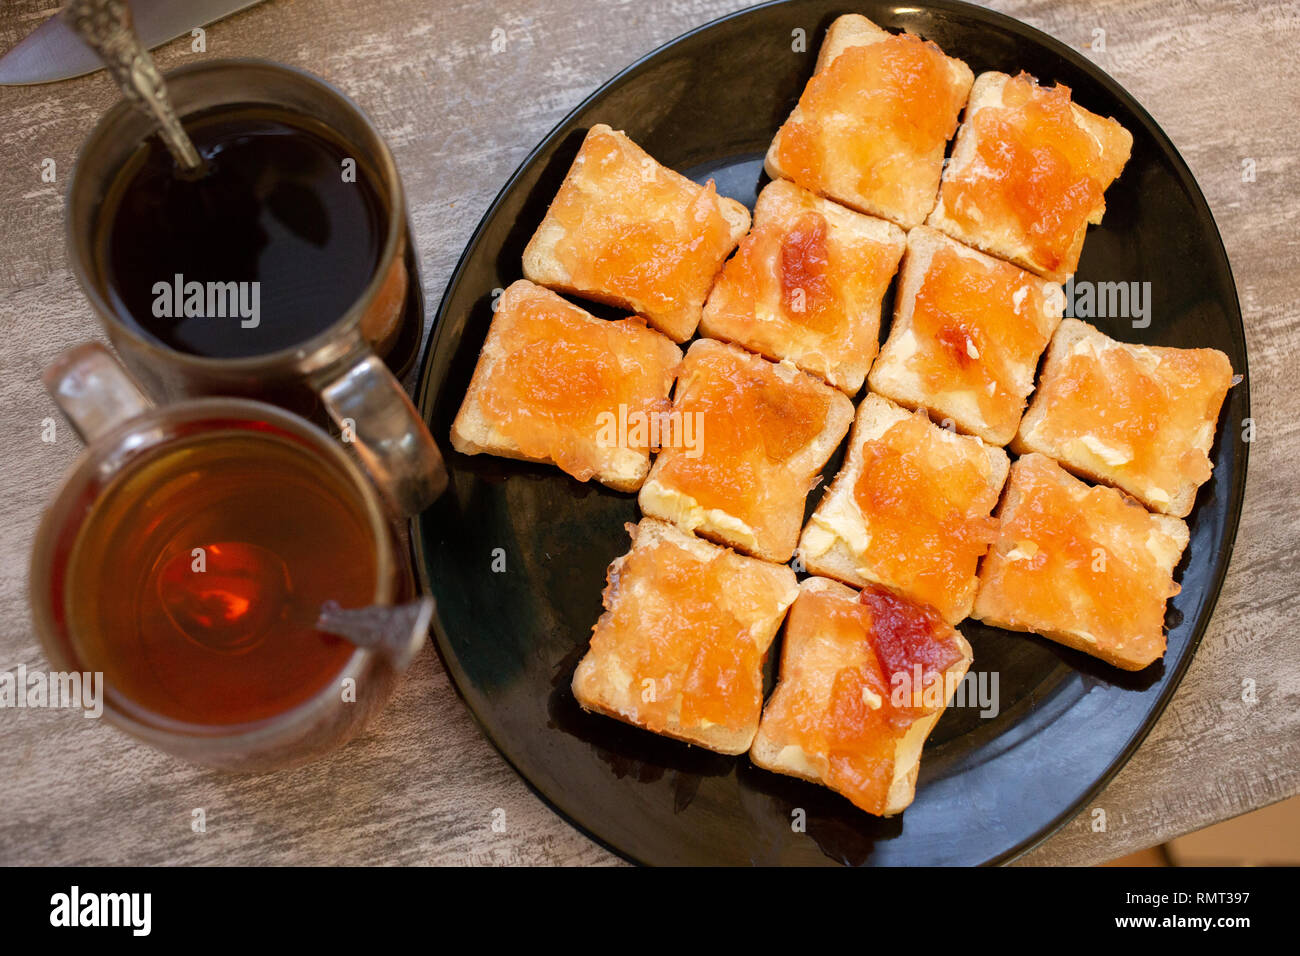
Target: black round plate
{"x": 708, "y": 104}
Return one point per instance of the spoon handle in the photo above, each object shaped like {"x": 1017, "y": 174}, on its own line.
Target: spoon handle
{"x": 397, "y": 632}
{"x": 106, "y": 27}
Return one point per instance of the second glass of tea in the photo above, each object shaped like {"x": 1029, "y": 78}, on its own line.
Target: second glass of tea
{"x": 189, "y": 557}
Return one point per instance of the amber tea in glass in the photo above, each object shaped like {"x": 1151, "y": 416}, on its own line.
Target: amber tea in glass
{"x": 195, "y": 583}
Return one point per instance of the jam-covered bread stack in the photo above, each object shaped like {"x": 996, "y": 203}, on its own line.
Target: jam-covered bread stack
{"x": 680, "y": 647}
{"x": 627, "y": 231}
{"x": 911, "y": 509}
{"x": 767, "y": 432}
{"x": 1028, "y": 173}
{"x": 806, "y": 285}
{"x": 849, "y": 711}
{"x": 872, "y": 124}
{"x": 930, "y": 519}
{"x": 549, "y": 379}
{"x": 967, "y": 334}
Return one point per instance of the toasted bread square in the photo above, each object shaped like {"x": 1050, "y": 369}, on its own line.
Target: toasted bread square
{"x": 848, "y": 711}
{"x": 806, "y": 285}
{"x": 753, "y": 437}
{"x": 555, "y": 384}
{"x": 628, "y": 232}
{"x": 909, "y": 510}
{"x": 1028, "y": 173}
{"x": 1086, "y": 566}
{"x": 872, "y": 124}
{"x": 681, "y": 645}
{"x": 967, "y": 335}
{"x": 1139, "y": 417}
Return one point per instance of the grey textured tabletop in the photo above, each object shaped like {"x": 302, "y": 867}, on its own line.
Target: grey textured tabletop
{"x": 422, "y": 784}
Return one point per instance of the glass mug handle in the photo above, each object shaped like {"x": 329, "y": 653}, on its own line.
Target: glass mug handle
{"x": 371, "y": 408}
{"x": 95, "y": 394}
{"x": 93, "y": 390}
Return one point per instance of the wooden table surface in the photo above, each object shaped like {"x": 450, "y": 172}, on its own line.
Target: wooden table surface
{"x": 422, "y": 784}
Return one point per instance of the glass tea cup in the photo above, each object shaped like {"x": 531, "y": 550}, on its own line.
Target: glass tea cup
{"x": 185, "y": 558}
{"x": 338, "y": 365}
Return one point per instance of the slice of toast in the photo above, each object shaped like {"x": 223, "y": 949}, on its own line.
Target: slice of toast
{"x": 756, "y": 435}
{"x": 967, "y": 335}
{"x": 555, "y": 384}
{"x": 680, "y": 648}
{"x": 806, "y": 285}
{"x": 1139, "y": 417}
{"x": 629, "y": 232}
{"x": 1085, "y": 566}
{"x": 847, "y": 712}
{"x": 909, "y": 510}
{"x": 872, "y": 124}
{"x": 1028, "y": 173}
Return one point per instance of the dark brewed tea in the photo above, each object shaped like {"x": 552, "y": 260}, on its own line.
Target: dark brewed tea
{"x": 195, "y": 584}
{"x": 269, "y": 246}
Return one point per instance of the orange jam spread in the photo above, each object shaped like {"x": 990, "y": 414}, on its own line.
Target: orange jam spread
{"x": 978, "y": 324}
{"x": 637, "y": 232}
{"x": 1037, "y": 172}
{"x": 563, "y": 375}
{"x": 926, "y": 506}
{"x": 751, "y": 422}
{"x": 685, "y": 651}
{"x": 868, "y": 119}
{"x": 803, "y": 267}
{"x": 847, "y": 694}
{"x": 1083, "y": 562}
{"x": 1143, "y": 415}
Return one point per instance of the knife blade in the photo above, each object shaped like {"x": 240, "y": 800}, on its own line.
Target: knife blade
{"x": 54, "y": 52}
